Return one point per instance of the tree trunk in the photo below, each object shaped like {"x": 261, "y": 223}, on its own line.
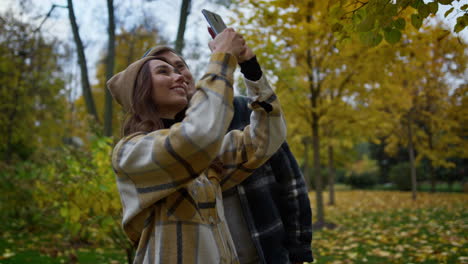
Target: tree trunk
{"x": 86, "y": 87}
{"x": 314, "y": 88}
{"x": 306, "y": 142}
{"x": 411, "y": 157}
{"x": 184, "y": 12}
{"x": 110, "y": 61}
{"x": 317, "y": 170}
{"x": 432, "y": 175}
{"x": 331, "y": 176}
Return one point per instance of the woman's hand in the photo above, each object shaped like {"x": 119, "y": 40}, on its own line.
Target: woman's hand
{"x": 228, "y": 41}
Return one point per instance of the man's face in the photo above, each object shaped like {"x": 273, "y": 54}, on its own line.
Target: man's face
{"x": 179, "y": 64}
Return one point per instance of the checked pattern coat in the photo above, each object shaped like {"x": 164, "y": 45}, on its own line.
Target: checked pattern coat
{"x": 170, "y": 187}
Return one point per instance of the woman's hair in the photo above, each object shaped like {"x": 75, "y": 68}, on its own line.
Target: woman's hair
{"x": 144, "y": 115}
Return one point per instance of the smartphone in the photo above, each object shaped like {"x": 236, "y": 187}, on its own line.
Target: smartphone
{"x": 215, "y": 21}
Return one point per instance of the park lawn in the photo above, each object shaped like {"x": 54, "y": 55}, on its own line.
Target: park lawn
{"x": 372, "y": 227}
{"x": 388, "y": 227}
{"x": 19, "y": 248}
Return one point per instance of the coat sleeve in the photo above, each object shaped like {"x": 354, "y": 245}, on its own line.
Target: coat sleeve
{"x": 152, "y": 166}
{"x": 242, "y": 151}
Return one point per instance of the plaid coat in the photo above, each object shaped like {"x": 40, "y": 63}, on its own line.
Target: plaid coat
{"x": 169, "y": 187}
{"x": 274, "y": 202}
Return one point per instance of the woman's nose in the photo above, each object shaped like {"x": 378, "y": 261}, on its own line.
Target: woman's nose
{"x": 179, "y": 77}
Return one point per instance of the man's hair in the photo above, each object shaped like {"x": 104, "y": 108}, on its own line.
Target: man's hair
{"x": 158, "y": 50}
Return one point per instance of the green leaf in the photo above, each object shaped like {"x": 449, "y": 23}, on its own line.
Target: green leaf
{"x": 392, "y": 36}
{"x": 371, "y": 38}
{"x": 403, "y": 3}
{"x": 391, "y": 10}
{"x": 367, "y": 24}
{"x": 400, "y": 23}
{"x": 423, "y": 10}
{"x": 337, "y": 27}
{"x": 462, "y": 22}
{"x": 336, "y": 11}
{"x": 416, "y": 21}
{"x": 356, "y": 18}
{"x": 433, "y": 7}
{"x": 74, "y": 213}
{"x": 64, "y": 212}
{"x": 464, "y": 7}
{"x": 448, "y": 12}
{"x": 416, "y": 3}
{"x": 445, "y": 2}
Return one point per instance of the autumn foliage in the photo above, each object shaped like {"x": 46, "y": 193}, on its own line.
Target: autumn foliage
{"x": 388, "y": 227}
{"x": 383, "y": 74}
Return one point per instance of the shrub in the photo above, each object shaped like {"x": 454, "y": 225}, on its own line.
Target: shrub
{"x": 340, "y": 177}
{"x": 362, "y": 180}
{"x": 400, "y": 175}
{"x": 311, "y": 178}
{"x": 362, "y": 173}
{"x": 74, "y": 188}
{"x": 17, "y": 200}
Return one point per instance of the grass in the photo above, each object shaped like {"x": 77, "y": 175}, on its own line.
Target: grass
{"x": 16, "y": 248}
{"x": 426, "y": 187}
{"x": 374, "y": 227}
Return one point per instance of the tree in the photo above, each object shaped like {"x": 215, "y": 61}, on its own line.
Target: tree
{"x": 32, "y": 87}
{"x": 86, "y": 87}
{"x": 313, "y": 73}
{"x": 184, "y": 13}
{"x": 419, "y": 114}
{"x": 375, "y": 20}
{"x": 444, "y": 56}
{"x": 110, "y": 62}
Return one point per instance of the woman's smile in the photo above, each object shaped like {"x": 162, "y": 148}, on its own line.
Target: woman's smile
{"x": 182, "y": 89}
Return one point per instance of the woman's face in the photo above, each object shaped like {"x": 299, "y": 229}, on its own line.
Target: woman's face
{"x": 179, "y": 64}
{"x": 169, "y": 88}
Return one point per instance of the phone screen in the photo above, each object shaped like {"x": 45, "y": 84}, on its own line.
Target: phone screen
{"x": 215, "y": 21}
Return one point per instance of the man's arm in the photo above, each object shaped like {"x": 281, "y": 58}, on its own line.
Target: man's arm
{"x": 294, "y": 205}
{"x": 294, "y": 201}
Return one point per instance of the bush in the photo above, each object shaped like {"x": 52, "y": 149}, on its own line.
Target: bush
{"x": 362, "y": 180}
{"x": 74, "y": 188}
{"x": 17, "y": 200}
{"x": 400, "y": 175}
{"x": 340, "y": 177}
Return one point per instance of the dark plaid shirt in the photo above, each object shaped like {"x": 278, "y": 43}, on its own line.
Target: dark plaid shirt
{"x": 275, "y": 203}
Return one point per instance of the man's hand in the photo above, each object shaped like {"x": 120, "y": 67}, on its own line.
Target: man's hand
{"x": 246, "y": 55}
{"x": 228, "y": 41}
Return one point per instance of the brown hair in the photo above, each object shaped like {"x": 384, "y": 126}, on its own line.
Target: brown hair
{"x": 144, "y": 115}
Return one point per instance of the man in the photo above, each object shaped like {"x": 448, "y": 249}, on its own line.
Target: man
{"x": 269, "y": 214}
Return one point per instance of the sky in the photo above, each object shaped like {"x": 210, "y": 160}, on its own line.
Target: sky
{"x": 92, "y": 20}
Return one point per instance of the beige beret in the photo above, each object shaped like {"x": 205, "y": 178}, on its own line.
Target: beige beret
{"x": 122, "y": 85}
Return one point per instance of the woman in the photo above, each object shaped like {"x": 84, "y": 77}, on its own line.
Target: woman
{"x": 171, "y": 167}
